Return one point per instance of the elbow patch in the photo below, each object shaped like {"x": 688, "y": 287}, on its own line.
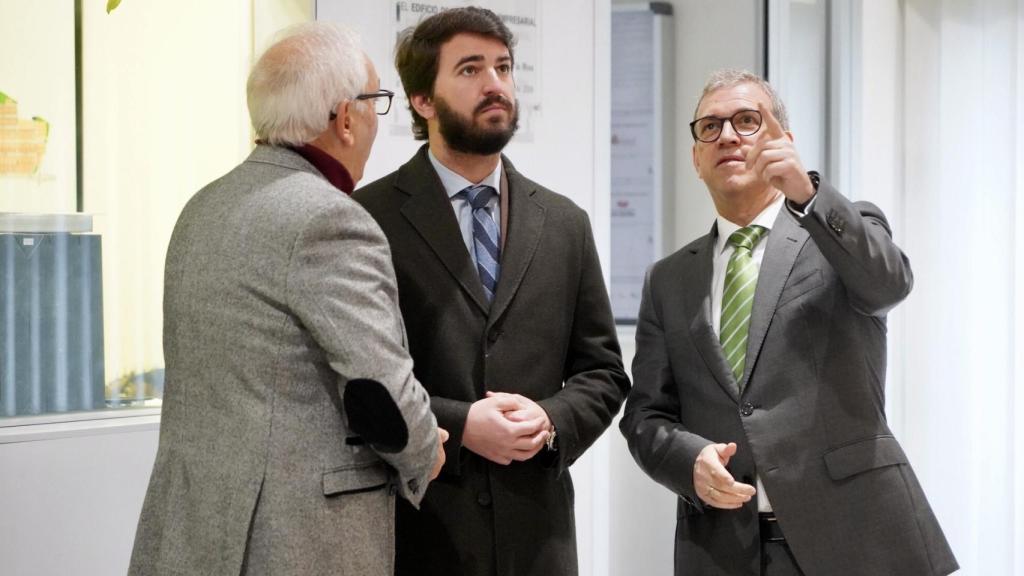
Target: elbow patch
{"x": 374, "y": 416}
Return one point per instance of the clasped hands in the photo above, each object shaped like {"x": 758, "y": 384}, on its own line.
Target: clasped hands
{"x": 505, "y": 427}
{"x": 713, "y": 483}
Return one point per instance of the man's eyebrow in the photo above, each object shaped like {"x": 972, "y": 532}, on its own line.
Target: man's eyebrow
{"x": 465, "y": 59}
{"x": 479, "y": 58}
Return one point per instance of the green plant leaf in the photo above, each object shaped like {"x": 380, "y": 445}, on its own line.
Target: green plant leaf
{"x": 5, "y": 98}
{"x": 111, "y": 4}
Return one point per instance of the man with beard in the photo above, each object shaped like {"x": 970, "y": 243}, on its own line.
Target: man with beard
{"x": 509, "y": 323}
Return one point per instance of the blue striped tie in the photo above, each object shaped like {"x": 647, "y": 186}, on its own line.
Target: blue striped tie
{"x": 486, "y": 238}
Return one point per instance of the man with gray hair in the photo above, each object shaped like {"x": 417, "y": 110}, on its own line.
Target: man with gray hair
{"x": 291, "y": 415}
{"x": 759, "y": 394}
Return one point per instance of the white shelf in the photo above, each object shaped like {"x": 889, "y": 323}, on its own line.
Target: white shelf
{"x": 72, "y": 424}
{"x": 14, "y": 222}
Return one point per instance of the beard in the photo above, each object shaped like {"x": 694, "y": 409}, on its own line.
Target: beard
{"x": 463, "y": 135}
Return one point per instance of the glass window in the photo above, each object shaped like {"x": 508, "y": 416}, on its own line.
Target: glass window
{"x": 96, "y": 163}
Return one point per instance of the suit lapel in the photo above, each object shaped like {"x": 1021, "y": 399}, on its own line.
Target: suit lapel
{"x": 784, "y": 244}
{"x": 429, "y": 211}
{"x": 696, "y": 288}
{"x": 525, "y": 224}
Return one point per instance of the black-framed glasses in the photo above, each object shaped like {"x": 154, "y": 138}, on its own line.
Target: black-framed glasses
{"x": 381, "y": 100}
{"x": 709, "y": 128}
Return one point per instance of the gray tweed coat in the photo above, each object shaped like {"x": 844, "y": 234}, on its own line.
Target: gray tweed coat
{"x": 291, "y": 416}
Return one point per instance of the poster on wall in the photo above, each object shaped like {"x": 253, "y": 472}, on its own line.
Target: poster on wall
{"x": 632, "y": 167}
{"x": 641, "y": 150}
{"x": 395, "y": 16}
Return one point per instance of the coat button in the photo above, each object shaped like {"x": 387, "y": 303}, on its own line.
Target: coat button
{"x": 483, "y": 499}
{"x": 835, "y": 222}
{"x": 747, "y": 409}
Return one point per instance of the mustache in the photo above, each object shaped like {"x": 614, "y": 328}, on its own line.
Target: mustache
{"x": 491, "y": 101}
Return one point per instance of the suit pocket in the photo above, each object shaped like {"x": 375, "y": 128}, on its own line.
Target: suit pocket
{"x": 800, "y": 287}
{"x": 356, "y": 478}
{"x": 863, "y": 455}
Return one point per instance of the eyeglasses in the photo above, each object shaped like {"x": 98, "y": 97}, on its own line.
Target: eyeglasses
{"x": 709, "y": 128}
{"x": 381, "y": 102}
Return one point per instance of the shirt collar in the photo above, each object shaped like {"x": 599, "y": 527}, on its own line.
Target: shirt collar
{"x": 328, "y": 165}
{"x": 454, "y": 183}
{"x": 765, "y": 219}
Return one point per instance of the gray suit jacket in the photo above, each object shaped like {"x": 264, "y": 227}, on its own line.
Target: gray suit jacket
{"x": 811, "y": 415}
{"x": 291, "y": 415}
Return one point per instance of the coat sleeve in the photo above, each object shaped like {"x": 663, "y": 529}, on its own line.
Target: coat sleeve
{"x": 342, "y": 287}
{"x": 663, "y": 448}
{"x": 451, "y": 415}
{"x": 856, "y": 240}
{"x": 595, "y": 380}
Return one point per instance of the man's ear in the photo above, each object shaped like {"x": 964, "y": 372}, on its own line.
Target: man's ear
{"x": 696, "y": 163}
{"x": 343, "y": 122}
{"x": 423, "y": 105}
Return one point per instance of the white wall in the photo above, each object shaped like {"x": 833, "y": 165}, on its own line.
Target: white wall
{"x": 955, "y": 198}
{"x": 797, "y": 60}
{"x": 710, "y": 34}
{"x": 71, "y": 493}
{"x": 643, "y": 513}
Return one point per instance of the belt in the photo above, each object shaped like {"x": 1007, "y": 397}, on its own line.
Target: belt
{"x": 770, "y": 529}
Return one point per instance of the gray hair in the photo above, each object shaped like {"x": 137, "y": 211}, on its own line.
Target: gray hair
{"x": 299, "y": 80}
{"x": 727, "y": 78}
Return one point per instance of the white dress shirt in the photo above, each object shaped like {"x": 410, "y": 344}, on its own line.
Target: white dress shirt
{"x": 453, "y": 184}
{"x": 723, "y": 251}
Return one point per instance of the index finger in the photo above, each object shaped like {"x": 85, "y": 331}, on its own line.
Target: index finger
{"x": 504, "y": 402}
{"x": 772, "y": 127}
{"x": 525, "y": 428}
{"x": 518, "y": 415}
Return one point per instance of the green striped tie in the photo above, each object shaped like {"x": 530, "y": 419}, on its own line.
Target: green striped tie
{"x": 738, "y": 297}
